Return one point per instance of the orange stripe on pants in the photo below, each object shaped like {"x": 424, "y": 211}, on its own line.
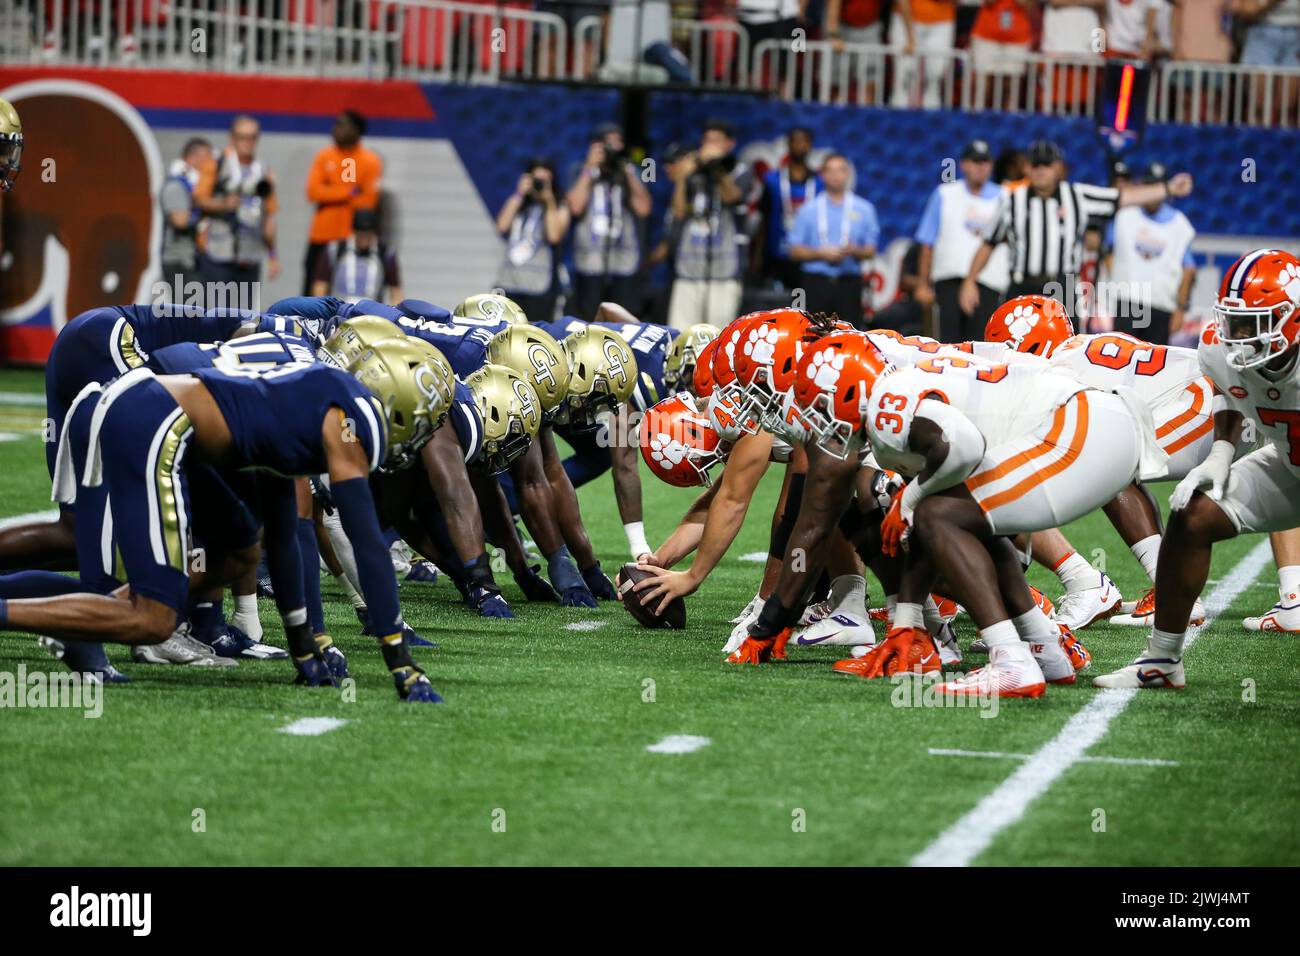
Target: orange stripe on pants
{"x": 1185, "y": 416}
{"x": 1055, "y": 468}
{"x": 1011, "y": 464}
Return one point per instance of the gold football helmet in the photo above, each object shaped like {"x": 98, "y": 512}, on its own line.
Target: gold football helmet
{"x": 356, "y": 335}
{"x": 679, "y": 363}
{"x": 511, "y": 413}
{"x": 11, "y": 145}
{"x": 413, "y": 388}
{"x": 490, "y": 308}
{"x": 602, "y": 375}
{"x": 536, "y": 356}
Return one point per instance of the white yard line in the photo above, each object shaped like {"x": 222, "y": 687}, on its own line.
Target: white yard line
{"x": 971, "y": 835}
{"x": 753, "y": 556}
{"x": 999, "y": 755}
{"x": 585, "y": 626}
{"x": 311, "y": 726}
{"x": 679, "y": 744}
{"x": 25, "y": 399}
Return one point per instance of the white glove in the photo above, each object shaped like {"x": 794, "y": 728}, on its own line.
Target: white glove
{"x": 1211, "y": 474}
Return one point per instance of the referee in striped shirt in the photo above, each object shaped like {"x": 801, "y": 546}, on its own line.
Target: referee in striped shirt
{"x": 1044, "y": 222}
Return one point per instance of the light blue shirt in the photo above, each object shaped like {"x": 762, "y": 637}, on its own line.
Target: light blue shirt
{"x": 1163, "y": 214}
{"x": 817, "y": 229}
{"x": 928, "y": 231}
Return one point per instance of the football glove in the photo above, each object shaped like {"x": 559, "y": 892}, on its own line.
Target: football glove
{"x": 578, "y": 597}
{"x": 599, "y": 584}
{"x": 896, "y": 528}
{"x": 760, "y": 650}
{"x": 894, "y": 654}
{"x": 1210, "y": 476}
{"x": 535, "y": 587}
{"x": 488, "y": 602}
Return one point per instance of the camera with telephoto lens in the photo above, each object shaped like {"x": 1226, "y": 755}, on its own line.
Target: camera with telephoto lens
{"x": 611, "y": 166}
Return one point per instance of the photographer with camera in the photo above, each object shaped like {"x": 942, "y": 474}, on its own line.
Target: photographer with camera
{"x": 533, "y": 223}
{"x": 236, "y": 194}
{"x": 608, "y": 203}
{"x": 709, "y": 243}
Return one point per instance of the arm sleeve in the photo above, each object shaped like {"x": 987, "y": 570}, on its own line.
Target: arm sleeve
{"x": 928, "y": 231}
{"x": 280, "y": 535}
{"x": 965, "y": 449}
{"x": 1098, "y": 202}
{"x": 374, "y": 567}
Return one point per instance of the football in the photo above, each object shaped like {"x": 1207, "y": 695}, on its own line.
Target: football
{"x": 674, "y": 615}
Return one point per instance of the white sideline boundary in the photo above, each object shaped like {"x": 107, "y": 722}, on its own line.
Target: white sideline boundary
{"x": 974, "y": 832}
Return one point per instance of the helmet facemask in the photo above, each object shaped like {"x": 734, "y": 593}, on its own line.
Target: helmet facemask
{"x": 1252, "y": 336}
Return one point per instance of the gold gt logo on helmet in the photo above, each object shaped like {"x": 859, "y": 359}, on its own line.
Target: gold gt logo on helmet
{"x": 413, "y": 389}
{"x": 11, "y": 145}
{"x": 490, "y": 308}
{"x": 355, "y": 336}
{"x": 510, "y": 411}
{"x": 536, "y": 356}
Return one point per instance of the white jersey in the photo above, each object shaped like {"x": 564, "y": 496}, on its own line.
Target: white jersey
{"x": 1112, "y": 360}
{"x": 1274, "y": 406}
{"x": 1003, "y": 402}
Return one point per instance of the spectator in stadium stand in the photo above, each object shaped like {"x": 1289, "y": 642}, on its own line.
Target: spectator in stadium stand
{"x": 533, "y": 223}
{"x": 832, "y": 236}
{"x": 1131, "y": 28}
{"x": 1011, "y": 168}
{"x": 956, "y": 217}
{"x": 769, "y": 19}
{"x": 999, "y": 42}
{"x": 1070, "y": 27}
{"x": 236, "y": 193}
{"x": 904, "y": 314}
{"x": 1272, "y": 32}
{"x": 709, "y": 245}
{"x": 1044, "y": 223}
{"x": 360, "y": 266}
{"x": 181, "y": 216}
{"x": 608, "y": 204}
{"x": 1199, "y": 29}
{"x": 855, "y": 21}
{"x": 1151, "y": 253}
{"x": 785, "y": 190}
{"x": 343, "y": 177}
{"x": 925, "y": 26}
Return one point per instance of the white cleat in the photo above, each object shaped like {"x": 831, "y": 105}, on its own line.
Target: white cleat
{"x": 1152, "y": 672}
{"x": 1052, "y": 660}
{"x": 1283, "y": 618}
{"x": 843, "y": 628}
{"x": 1143, "y": 612}
{"x": 180, "y": 648}
{"x": 861, "y": 650}
{"x": 741, "y": 630}
{"x": 978, "y": 646}
{"x": 1011, "y": 671}
{"x": 1078, "y": 609}
{"x": 949, "y": 649}
{"x": 755, "y": 603}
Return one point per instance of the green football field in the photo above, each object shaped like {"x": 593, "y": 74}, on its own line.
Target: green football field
{"x": 540, "y": 754}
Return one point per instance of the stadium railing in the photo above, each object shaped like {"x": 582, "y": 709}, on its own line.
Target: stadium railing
{"x": 477, "y": 41}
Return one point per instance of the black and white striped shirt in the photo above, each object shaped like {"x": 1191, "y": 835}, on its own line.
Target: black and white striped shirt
{"x": 1046, "y": 235}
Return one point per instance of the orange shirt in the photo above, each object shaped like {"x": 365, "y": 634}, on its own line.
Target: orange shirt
{"x": 341, "y": 180}
{"x": 933, "y": 11}
{"x": 1004, "y": 21}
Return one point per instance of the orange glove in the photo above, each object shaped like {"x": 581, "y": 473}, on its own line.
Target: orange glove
{"x": 893, "y": 528}
{"x": 759, "y": 650}
{"x": 894, "y": 653}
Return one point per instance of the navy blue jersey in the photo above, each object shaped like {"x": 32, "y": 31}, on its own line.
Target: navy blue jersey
{"x": 275, "y": 413}
{"x": 261, "y": 350}
{"x": 464, "y": 417}
{"x": 648, "y": 342}
{"x": 464, "y": 346}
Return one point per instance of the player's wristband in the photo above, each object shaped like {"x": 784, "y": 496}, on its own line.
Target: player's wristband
{"x": 636, "y": 542}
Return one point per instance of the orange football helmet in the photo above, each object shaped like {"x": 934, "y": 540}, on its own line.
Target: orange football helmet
{"x": 1257, "y": 314}
{"x": 724, "y": 357}
{"x": 832, "y": 385}
{"x": 765, "y": 360}
{"x": 702, "y": 382}
{"x": 678, "y": 442}
{"x": 1030, "y": 323}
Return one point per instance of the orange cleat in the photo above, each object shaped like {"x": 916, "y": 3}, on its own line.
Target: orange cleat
{"x": 1074, "y": 649}
{"x": 852, "y": 666}
{"x": 757, "y": 650}
{"x": 1042, "y": 600}
{"x": 879, "y": 615}
{"x": 948, "y": 608}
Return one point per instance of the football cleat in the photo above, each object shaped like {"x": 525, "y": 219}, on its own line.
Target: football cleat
{"x": 815, "y": 612}
{"x": 1154, "y": 672}
{"x": 335, "y": 661}
{"x": 180, "y": 648}
{"x": 232, "y": 642}
{"x": 1053, "y": 661}
{"x": 1012, "y": 671}
{"x": 839, "y": 629}
{"x": 1043, "y": 601}
{"x": 1079, "y": 609}
{"x": 948, "y": 608}
{"x": 413, "y": 639}
{"x": 1283, "y": 618}
{"x": 85, "y": 658}
{"x": 422, "y": 572}
{"x": 879, "y": 615}
{"x": 314, "y": 672}
{"x": 264, "y": 589}
{"x": 1074, "y": 649}
{"x": 750, "y": 610}
{"x": 1142, "y": 612}
{"x": 414, "y": 688}
{"x": 759, "y": 650}
{"x": 978, "y": 646}
{"x": 949, "y": 649}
